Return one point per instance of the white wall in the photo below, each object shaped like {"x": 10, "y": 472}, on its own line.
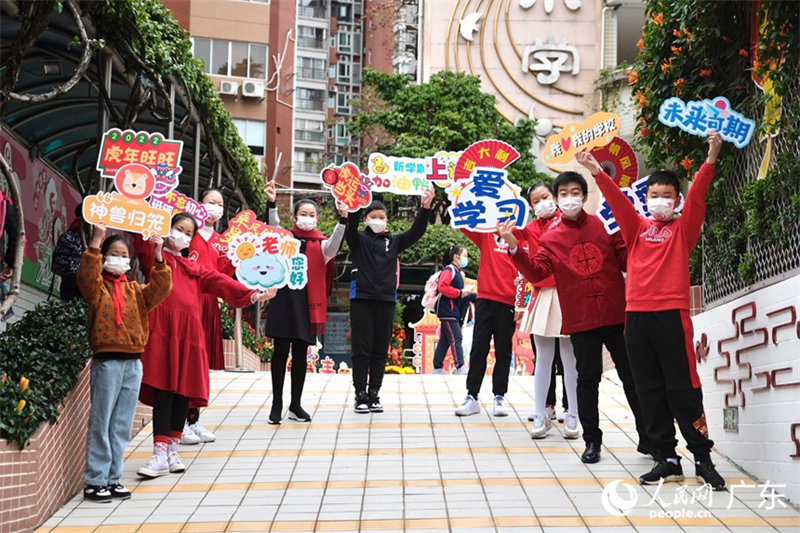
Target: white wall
{"x": 26, "y": 301}
{"x": 762, "y": 330}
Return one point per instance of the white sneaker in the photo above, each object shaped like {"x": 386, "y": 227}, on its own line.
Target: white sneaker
{"x": 532, "y": 416}
{"x": 571, "y": 426}
{"x": 202, "y": 433}
{"x": 176, "y": 466}
{"x": 562, "y": 415}
{"x": 463, "y": 370}
{"x": 188, "y": 436}
{"x": 541, "y": 425}
{"x": 469, "y": 407}
{"x": 156, "y": 466}
{"x": 499, "y": 408}
{"x": 550, "y": 411}
{"x": 438, "y": 371}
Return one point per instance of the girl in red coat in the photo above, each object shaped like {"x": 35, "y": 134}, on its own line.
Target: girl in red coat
{"x": 175, "y": 363}
{"x": 203, "y": 252}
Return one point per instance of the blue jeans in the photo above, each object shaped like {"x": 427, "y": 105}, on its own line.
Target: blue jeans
{"x": 115, "y": 392}
{"x": 450, "y": 337}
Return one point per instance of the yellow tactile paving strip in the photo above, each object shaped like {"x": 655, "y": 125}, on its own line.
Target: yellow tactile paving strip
{"x": 346, "y": 468}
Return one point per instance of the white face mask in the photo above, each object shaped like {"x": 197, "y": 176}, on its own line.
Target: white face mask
{"x": 544, "y": 209}
{"x": 305, "y": 223}
{"x": 116, "y": 265}
{"x": 661, "y": 209}
{"x": 214, "y": 211}
{"x": 377, "y": 225}
{"x": 571, "y": 205}
{"x": 178, "y": 240}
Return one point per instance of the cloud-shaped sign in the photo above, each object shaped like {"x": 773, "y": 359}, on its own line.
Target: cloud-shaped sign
{"x": 262, "y": 271}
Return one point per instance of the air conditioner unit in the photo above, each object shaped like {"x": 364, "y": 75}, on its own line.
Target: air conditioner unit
{"x": 332, "y": 88}
{"x": 228, "y": 87}
{"x": 253, "y": 89}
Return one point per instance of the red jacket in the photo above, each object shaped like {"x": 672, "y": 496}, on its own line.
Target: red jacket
{"x": 496, "y": 273}
{"x": 532, "y": 234}
{"x": 658, "y": 269}
{"x": 587, "y": 263}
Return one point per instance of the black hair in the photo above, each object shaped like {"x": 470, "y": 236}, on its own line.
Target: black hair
{"x": 184, "y": 216}
{"x": 451, "y": 252}
{"x": 664, "y": 177}
{"x": 536, "y": 186}
{"x": 111, "y": 239}
{"x": 305, "y": 201}
{"x": 206, "y": 192}
{"x": 376, "y": 205}
{"x": 565, "y": 178}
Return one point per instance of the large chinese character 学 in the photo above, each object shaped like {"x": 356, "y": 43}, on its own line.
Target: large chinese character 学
{"x": 469, "y": 214}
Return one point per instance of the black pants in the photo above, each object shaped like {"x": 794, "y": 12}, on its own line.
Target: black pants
{"x": 450, "y": 339}
{"x": 665, "y": 370}
{"x": 492, "y": 319}
{"x": 371, "y": 324}
{"x": 588, "y": 348}
{"x": 169, "y": 412}
{"x": 299, "y": 363}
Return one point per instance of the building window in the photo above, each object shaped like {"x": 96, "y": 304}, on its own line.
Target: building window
{"x": 309, "y": 130}
{"x": 311, "y": 68}
{"x": 312, "y": 99}
{"x": 345, "y": 41}
{"x": 316, "y": 9}
{"x": 231, "y": 58}
{"x": 308, "y": 162}
{"x": 342, "y": 104}
{"x": 342, "y": 137}
{"x": 343, "y": 72}
{"x": 308, "y": 37}
{"x": 254, "y": 134}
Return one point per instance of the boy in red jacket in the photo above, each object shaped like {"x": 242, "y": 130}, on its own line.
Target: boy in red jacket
{"x": 587, "y": 263}
{"x": 658, "y": 329}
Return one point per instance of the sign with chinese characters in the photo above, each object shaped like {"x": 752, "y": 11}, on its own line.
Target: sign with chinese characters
{"x": 152, "y": 150}
{"x": 265, "y": 257}
{"x": 598, "y": 130}
{"x": 636, "y": 194}
{"x": 127, "y": 209}
{"x": 489, "y": 153}
{"x": 399, "y": 175}
{"x": 348, "y": 186}
{"x": 698, "y": 117}
{"x": 549, "y": 60}
{"x": 484, "y": 200}
{"x": 175, "y": 202}
{"x": 618, "y": 161}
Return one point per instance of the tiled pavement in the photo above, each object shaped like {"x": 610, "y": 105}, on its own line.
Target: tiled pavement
{"x": 415, "y": 467}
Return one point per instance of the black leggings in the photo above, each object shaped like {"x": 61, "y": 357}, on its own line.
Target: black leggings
{"x": 169, "y": 412}
{"x": 279, "y": 357}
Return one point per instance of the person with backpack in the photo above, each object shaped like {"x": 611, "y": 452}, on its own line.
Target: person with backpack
{"x": 451, "y": 291}
{"x": 67, "y": 257}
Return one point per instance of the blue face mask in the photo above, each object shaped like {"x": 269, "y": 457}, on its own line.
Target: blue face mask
{"x": 464, "y": 262}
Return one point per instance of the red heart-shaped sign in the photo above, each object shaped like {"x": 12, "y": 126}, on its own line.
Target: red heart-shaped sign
{"x": 565, "y": 142}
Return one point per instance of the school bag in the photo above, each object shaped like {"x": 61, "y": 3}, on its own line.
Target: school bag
{"x": 431, "y": 295}
{"x": 67, "y": 254}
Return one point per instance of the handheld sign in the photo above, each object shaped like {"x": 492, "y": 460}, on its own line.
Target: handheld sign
{"x": 598, "y": 130}
{"x": 698, "y": 117}
{"x": 175, "y": 202}
{"x": 618, "y": 161}
{"x": 398, "y": 175}
{"x": 636, "y": 193}
{"x": 348, "y": 186}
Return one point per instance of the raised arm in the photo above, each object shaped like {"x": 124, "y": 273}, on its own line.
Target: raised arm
{"x": 160, "y": 284}
{"x": 89, "y": 277}
{"x": 331, "y": 246}
{"x": 351, "y": 230}
{"x": 695, "y": 209}
{"x": 417, "y": 229}
{"x": 534, "y": 267}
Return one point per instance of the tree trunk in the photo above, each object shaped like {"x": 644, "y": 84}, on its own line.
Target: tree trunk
{"x": 16, "y": 197}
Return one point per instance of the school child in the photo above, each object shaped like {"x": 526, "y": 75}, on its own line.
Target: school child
{"x": 204, "y": 254}
{"x": 118, "y": 333}
{"x": 494, "y": 317}
{"x": 175, "y": 363}
{"x": 452, "y": 292}
{"x": 301, "y": 314}
{"x": 658, "y": 329}
{"x": 542, "y": 320}
{"x": 374, "y": 278}
{"x": 587, "y": 263}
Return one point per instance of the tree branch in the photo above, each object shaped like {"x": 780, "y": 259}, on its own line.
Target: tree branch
{"x": 16, "y": 197}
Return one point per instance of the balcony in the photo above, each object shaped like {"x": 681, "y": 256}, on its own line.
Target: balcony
{"x": 311, "y": 42}
{"x": 310, "y": 105}
{"x": 312, "y": 12}
{"x": 309, "y": 136}
{"x": 308, "y": 168}
{"x": 310, "y": 73}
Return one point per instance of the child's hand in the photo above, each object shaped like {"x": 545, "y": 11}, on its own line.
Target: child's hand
{"x": 427, "y": 200}
{"x": 342, "y": 209}
{"x": 158, "y": 245}
{"x": 98, "y": 233}
{"x": 714, "y": 146}
{"x": 263, "y": 296}
{"x": 587, "y": 160}
{"x": 506, "y": 232}
{"x": 269, "y": 190}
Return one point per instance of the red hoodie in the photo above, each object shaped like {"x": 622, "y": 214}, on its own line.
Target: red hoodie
{"x": 658, "y": 269}
{"x": 496, "y": 273}
{"x": 587, "y": 263}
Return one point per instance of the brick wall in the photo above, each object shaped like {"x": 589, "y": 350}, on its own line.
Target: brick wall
{"x": 36, "y": 481}
{"x": 250, "y": 360}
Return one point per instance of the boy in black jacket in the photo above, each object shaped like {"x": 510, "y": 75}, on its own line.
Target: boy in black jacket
{"x": 374, "y": 277}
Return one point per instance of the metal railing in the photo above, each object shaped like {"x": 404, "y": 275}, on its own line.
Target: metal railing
{"x": 312, "y": 12}
{"x": 308, "y": 168}
{"x": 311, "y": 42}
{"x": 310, "y": 136}
{"x": 312, "y": 105}
{"x": 311, "y": 73}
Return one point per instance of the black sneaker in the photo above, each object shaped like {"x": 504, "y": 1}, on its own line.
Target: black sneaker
{"x": 97, "y": 493}
{"x": 705, "y": 472}
{"x": 662, "y": 470}
{"x": 298, "y": 413}
{"x": 375, "y": 405}
{"x": 276, "y": 414}
{"x": 362, "y": 403}
{"x": 119, "y": 491}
